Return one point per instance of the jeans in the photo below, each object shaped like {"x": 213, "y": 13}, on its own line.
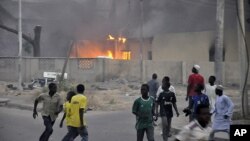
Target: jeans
{"x": 149, "y": 131}
{"x": 48, "y": 123}
{"x": 71, "y": 135}
{"x": 191, "y": 117}
{"x": 73, "y": 132}
{"x": 166, "y": 125}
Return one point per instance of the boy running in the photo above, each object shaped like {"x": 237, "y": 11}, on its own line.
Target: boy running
{"x": 52, "y": 106}
{"x": 78, "y": 105}
{"x": 67, "y": 115}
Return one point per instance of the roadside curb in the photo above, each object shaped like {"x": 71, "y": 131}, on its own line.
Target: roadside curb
{"x": 4, "y": 101}
{"x": 19, "y": 106}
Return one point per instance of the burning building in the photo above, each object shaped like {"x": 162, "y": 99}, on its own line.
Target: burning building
{"x": 112, "y": 48}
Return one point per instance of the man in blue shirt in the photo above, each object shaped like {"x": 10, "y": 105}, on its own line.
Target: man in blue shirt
{"x": 200, "y": 98}
{"x": 153, "y": 86}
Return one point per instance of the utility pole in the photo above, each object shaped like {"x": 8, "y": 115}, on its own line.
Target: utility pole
{"x": 20, "y": 44}
{"x": 218, "y": 60}
{"x": 243, "y": 58}
{"x": 65, "y": 64}
{"x": 141, "y": 41}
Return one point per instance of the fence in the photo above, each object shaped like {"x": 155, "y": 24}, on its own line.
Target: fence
{"x": 98, "y": 69}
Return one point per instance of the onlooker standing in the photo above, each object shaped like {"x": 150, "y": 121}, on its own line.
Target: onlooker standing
{"x": 67, "y": 115}
{"x": 222, "y": 113}
{"x": 198, "y": 129}
{"x": 153, "y": 86}
{"x": 193, "y": 80}
{"x": 143, "y": 109}
{"x": 52, "y": 106}
{"x": 197, "y": 99}
{"x": 165, "y": 79}
{"x": 210, "y": 92}
{"x": 166, "y": 99}
{"x": 78, "y": 105}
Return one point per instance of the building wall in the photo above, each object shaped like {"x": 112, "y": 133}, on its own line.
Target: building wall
{"x": 192, "y": 46}
{"x": 134, "y": 45}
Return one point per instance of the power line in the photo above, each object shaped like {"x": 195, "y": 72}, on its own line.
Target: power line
{"x": 247, "y": 58}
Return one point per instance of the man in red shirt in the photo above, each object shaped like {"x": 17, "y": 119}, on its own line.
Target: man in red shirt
{"x": 193, "y": 80}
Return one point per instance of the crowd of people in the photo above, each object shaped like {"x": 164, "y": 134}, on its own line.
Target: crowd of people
{"x": 204, "y": 101}
{"x": 209, "y": 109}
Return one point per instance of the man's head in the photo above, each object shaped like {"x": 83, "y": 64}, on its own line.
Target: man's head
{"x": 52, "y": 88}
{"x": 165, "y": 79}
{"x": 154, "y": 76}
{"x": 211, "y": 79}
{"x": 219, "y": 90}
{"x": 166, "y": 86}
{"x": 196, "y": 68}
{"x": 80, "y": 88}
{"x": 70, "y": 94}
{"x": 203, "y": 115}
{"x": 199, "y": 88}
{"x": 144, "y": 90}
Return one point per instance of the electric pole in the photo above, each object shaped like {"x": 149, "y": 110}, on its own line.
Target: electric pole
{"x": 20, "y": 44}
{"x": 218, "y": 60}
{"x": 141, "y": 40}
{"x": 65, "y": 64}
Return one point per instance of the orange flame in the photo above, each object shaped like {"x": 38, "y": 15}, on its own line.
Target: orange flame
{"x": 115, "y": 48}
{"x": 123, "y": 40}
{"x": 126, "y": 55}
{"x": 110, "y": 37}
{"x": 110, "y": 55}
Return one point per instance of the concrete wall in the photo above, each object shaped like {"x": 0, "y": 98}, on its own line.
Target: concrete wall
{"x": 8, "y": 69}
{"x": 97, "y": 70}
{"x": 129, "y": 70}
{"x": 173, "y": 69}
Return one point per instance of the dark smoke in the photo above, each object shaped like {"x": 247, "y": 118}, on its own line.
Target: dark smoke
{"x": 66, "y": 20}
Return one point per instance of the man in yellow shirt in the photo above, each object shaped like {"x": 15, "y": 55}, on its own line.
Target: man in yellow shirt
{"x": 77, "y": 123}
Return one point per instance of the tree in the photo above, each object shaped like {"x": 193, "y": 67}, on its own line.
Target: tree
{"x": 35, "y": 42}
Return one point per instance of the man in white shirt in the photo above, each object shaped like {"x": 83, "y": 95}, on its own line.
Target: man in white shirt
{"x": 223, "y": 112}
{"x": 210, "y": 92}
{"x": 198, "y": 129}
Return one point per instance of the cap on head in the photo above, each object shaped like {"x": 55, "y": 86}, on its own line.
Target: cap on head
{"x": 197, "y": 67}
{"x": 219, "y": 87}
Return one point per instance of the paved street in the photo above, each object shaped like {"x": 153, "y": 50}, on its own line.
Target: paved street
{"x": 112, "y": 126}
